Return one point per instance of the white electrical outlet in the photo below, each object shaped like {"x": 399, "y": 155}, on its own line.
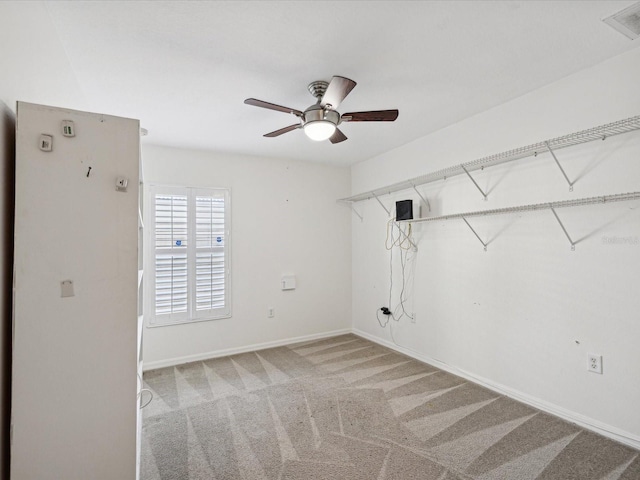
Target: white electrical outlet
{"x": 594, "y": 363}
{"x": 270, "y": 312}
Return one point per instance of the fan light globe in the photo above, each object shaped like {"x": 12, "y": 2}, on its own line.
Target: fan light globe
{"x": 319, "y": 130}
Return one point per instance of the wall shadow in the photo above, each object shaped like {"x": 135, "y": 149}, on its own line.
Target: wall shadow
{"x": 7, "y": 201}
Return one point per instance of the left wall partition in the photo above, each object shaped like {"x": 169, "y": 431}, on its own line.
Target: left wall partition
{"x": 75, "y": 295}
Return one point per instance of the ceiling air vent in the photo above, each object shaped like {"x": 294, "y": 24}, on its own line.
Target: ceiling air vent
{"x": 626, "y": 21}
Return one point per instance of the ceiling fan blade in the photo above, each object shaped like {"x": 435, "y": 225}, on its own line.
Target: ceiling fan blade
{"x": 338, "y": 89}
{"x": 277, "y": 133}
{"x": 337, "y": 137}
{"x": 372, "y": 116}
{"x": 272, "y": 106}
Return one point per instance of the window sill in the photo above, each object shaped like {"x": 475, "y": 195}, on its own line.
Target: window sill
{"x": 186, "y": 322}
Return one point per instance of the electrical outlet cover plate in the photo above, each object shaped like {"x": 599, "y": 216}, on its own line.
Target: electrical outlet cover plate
{"x": 594, "y": 363}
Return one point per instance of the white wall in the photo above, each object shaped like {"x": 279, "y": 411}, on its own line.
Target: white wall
{"x": 523, "y": 315}
{"x": 284, "y": 219}
{"x": 31, "y": 56}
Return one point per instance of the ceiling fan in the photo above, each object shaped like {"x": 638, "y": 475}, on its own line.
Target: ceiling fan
{"x": 320, "y": 121}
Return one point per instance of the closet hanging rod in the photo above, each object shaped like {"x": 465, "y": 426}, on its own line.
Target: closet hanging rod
{"x": 620, "y": 197}
{"x": 584, "y": 136}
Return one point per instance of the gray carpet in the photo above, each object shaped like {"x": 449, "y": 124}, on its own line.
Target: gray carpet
{"x": 346, "y": 408}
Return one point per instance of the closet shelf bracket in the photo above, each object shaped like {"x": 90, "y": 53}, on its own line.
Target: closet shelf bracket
{"x": 559, "y": 166}
{"x": 573, "y": 244}
{"x": 474, "y": 182}
{"x": 381, "y": 204}
{"x": 349, "y": 204}
{"x": 424, "y": 200}
{"x": 476, "y": 234}
{"x": 356, "y": 212}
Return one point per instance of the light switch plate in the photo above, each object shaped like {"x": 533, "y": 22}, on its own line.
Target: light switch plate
{"x": 288, "y": 282}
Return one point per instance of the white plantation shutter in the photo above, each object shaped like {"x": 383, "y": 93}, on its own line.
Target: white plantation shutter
{"x": 210, "y": 257}
{"x": 171, "y": 269}
{"x": 171, "y": 284}
{"x": 190, "y": 254}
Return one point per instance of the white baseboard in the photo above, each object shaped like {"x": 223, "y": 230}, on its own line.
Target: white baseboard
{"x": 568, "y": 415}
{"x": 170, "y": 362}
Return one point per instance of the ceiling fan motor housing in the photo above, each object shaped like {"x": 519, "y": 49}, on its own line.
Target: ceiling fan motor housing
{"x": 316, "y": 113}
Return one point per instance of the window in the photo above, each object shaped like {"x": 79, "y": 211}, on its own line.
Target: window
{"x": 188, "y": 263}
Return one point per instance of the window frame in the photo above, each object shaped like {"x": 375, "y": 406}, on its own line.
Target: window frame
{"x": 192, "y": 315}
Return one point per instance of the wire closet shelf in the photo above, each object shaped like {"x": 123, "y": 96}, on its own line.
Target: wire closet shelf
{"x": 584, "y": 136}
{"x": 620, "y": 197}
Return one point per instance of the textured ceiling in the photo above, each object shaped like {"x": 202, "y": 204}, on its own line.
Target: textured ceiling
{"x": 184, "y": 68}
